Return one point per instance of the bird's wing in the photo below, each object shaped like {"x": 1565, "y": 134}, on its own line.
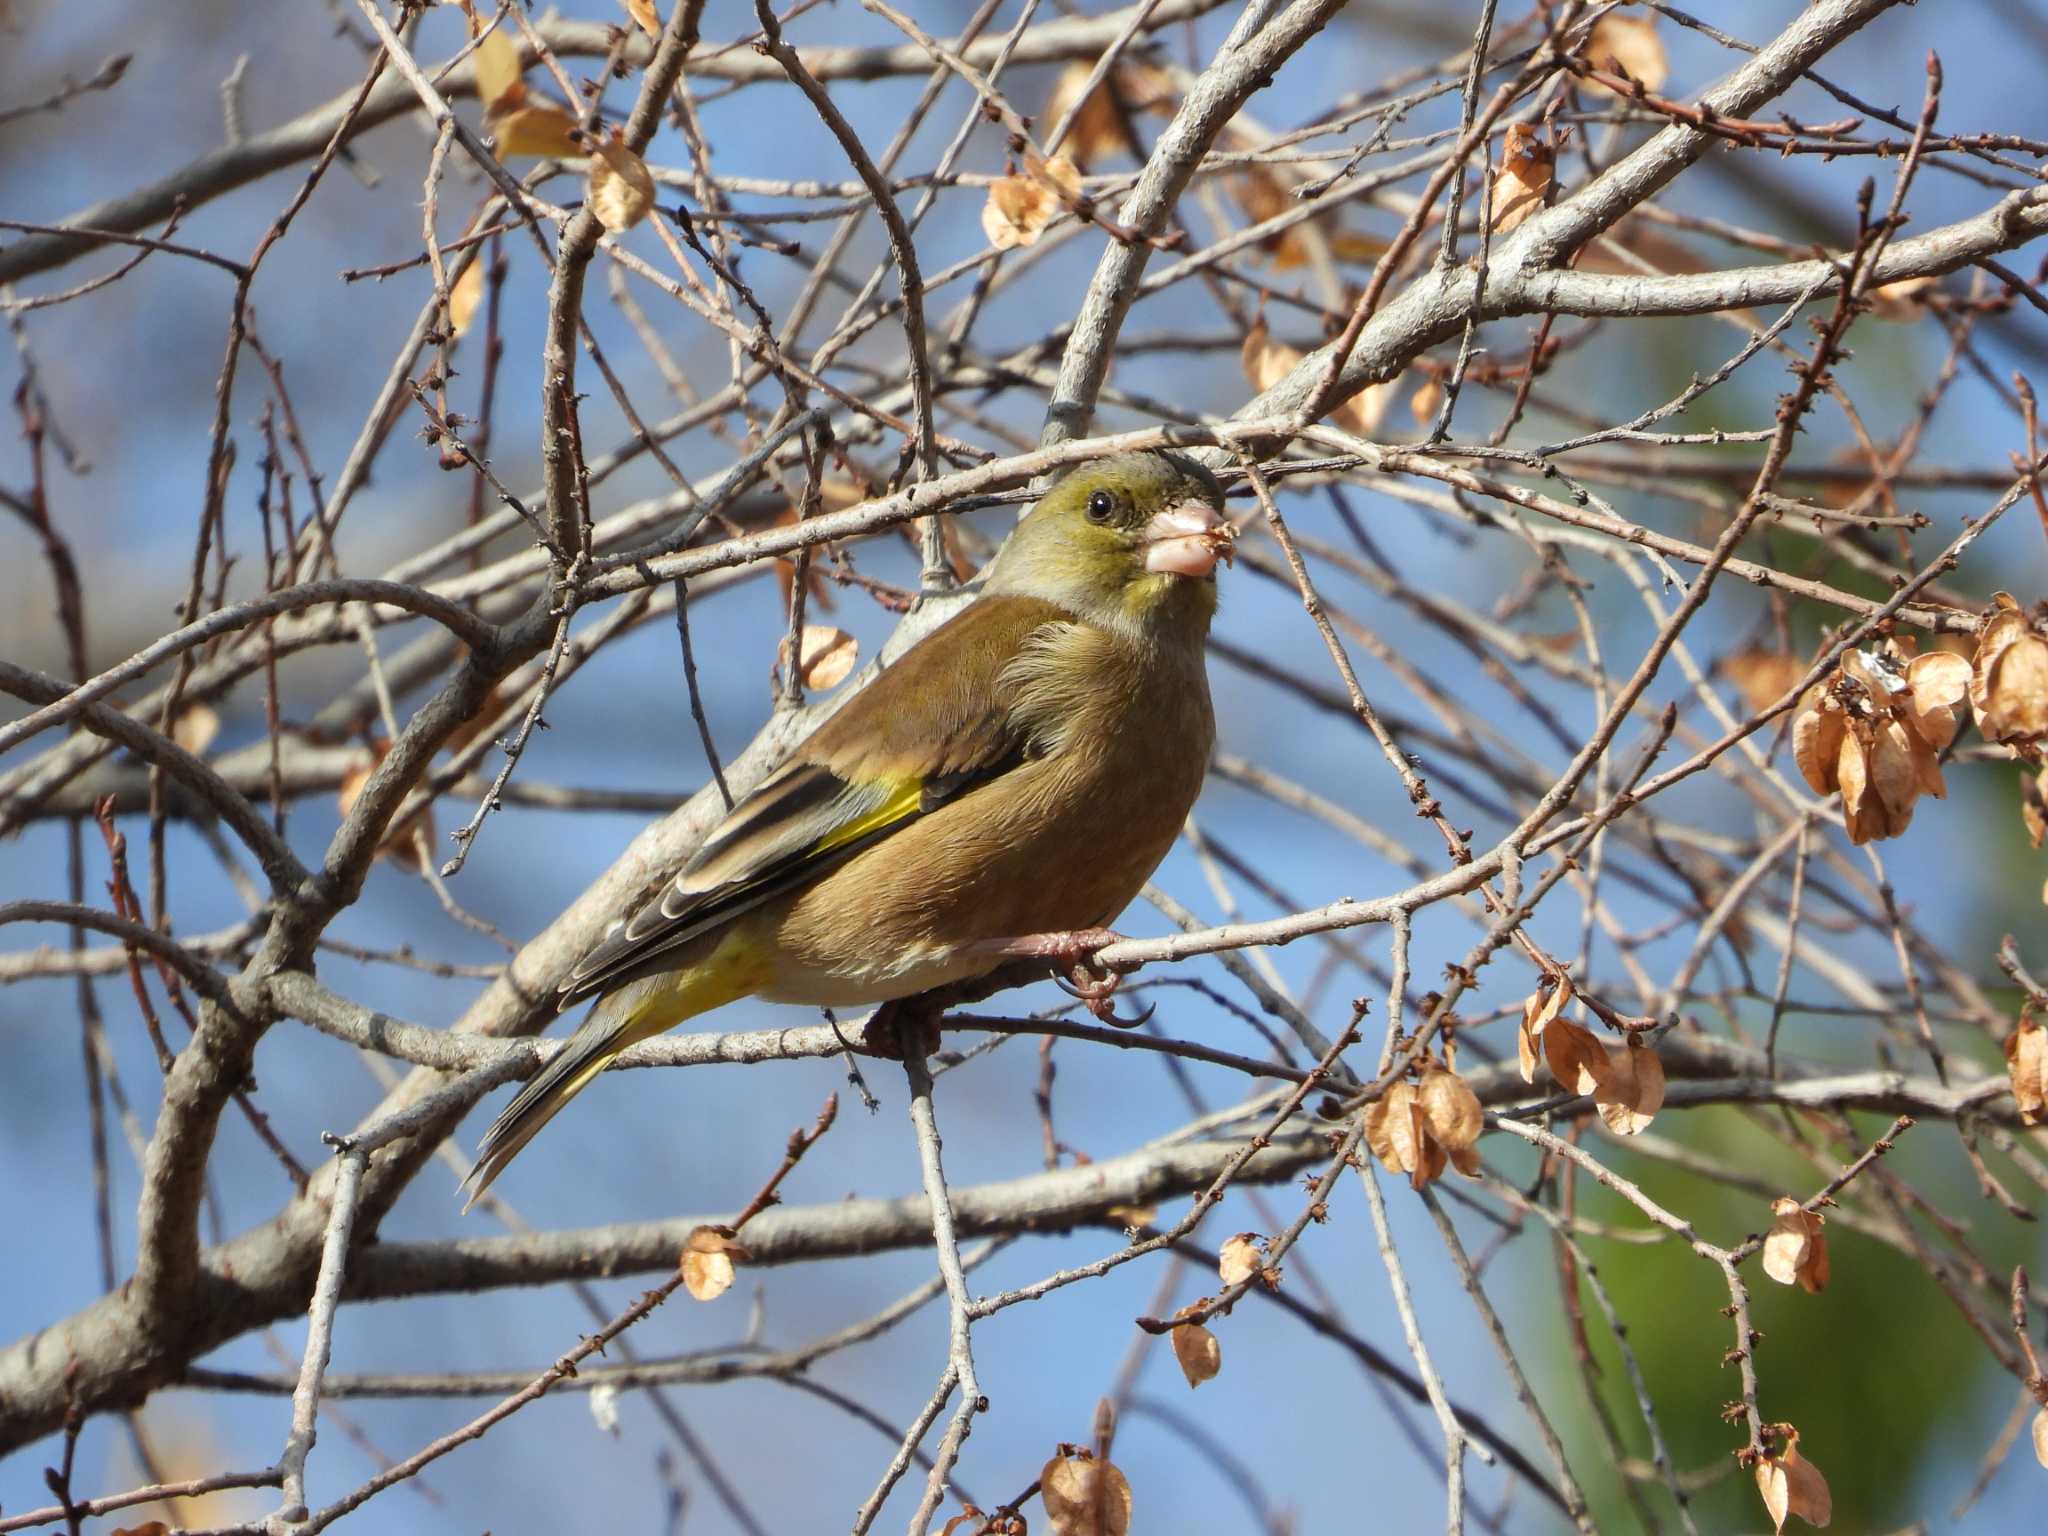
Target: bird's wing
{"x": 935, "y": 723}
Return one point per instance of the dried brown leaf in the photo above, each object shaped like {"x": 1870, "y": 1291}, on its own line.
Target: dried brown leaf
{"x": 645, "y": 16}
{"x": 709, "y": 1254}
{"x": 707, "y": 1276}
{"x": 1430, "y": 1157}
{"x": 1903, "y": 300}
{"x": 1901, "y": 768}
{"x": 1426, "y": 402}
{"x": 1197, "y": 1349}
{"x": 2026, "y": 1063}
{"x": 1874, "y": 729}
{"x": 1626, "y": 44}
{"x": 1098, "y": 128}
{"x": 828, "y": 655}
{"x": 1019, "y": 207}
{"x": 541, "y": 130}
{"x": 1528, "y": 1049}
{"x": 1762, "y": 677}
{"x": 621, "y": 188}
{"x": 1364, "y": 411}
{"x": 1863, "y": 808}
{"x": 1634, "y": 244}
{"x": 497, "y": 66}
{"x": 834, "y": 494}
{"x": 1528, "y": 165}
{"x": 464, "y": 294}
{"x": 1792, "y": 1485}
{"x": 1132, "y": 1218}
{"x": 2009, "y": 679}
{"x": 1807, "y": 1491}
{"x": 1261, "y": 194}
{"x": 1550, "y": 1002}
{"x": 1390, "y": 1128}
{"x": 1577, "y": 1059}
{"x": 1266, "y": 361}
{"x": 1085, "y": 1495}
{"x": 1060, "y": 173}
{"x": 1775, "y": 1488}
{"x": 1795, "y": 1249}
{"x": 1818, "y": 729}
{"x": 1937, "y": 684}
{"x": 1241, "y": 1258}
{"x": 1017, "y": 211}
{"x": 403, "y": 845}
{"x": 479, "y": 720}
{"x": 1538, "y": 1009}
{"x": 1635, "y": 1091}
{"x": 195, "y": 728}
{"x": 1452, "y": 1117}
{"x": 972, "y": 1522}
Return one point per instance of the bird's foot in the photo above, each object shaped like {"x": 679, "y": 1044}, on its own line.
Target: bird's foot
{"x": 896, "y": 1029}
{"x": 1074, "y": 949}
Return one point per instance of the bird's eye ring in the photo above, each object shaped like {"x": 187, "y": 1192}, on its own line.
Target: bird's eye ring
{"x": 1100, "y": 506}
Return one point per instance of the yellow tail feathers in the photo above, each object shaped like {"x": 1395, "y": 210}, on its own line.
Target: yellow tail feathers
{"x": 637, "y": 1011}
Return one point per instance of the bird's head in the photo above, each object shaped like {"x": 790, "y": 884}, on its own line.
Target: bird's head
{"x": 1129, "y": 542}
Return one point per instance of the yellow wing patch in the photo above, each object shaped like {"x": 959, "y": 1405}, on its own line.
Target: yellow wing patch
{"x": 906, "y": 798}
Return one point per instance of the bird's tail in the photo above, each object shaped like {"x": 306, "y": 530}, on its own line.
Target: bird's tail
{"x": 637, "y": 1011}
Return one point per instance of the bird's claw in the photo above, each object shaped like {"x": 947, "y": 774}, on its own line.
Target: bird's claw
{"x": 897, "y": 1032}
{"x": 1092, "y": 984}
{"x": 1095, "y": 989}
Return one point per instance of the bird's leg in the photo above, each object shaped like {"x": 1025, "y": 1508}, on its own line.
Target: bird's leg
{"x": 900, "y": 1026}
{"x": 1075, "y": 949}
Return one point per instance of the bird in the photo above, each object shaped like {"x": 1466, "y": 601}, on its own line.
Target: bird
{"x": 1019, "y": 771}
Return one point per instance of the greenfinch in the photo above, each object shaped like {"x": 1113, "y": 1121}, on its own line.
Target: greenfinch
{"x": 1019, "y": 771}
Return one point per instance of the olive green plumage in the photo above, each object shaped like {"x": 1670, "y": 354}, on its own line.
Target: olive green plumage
{"x": 1022, "y": 769}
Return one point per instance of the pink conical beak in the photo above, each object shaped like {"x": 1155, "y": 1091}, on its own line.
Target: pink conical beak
{"x": 1187, "y": 540}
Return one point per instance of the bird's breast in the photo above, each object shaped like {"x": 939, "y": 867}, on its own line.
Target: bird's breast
{"x": 1063, "y": 840}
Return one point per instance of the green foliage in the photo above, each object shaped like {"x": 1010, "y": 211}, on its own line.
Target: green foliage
{"x": 1870, "y": 1369}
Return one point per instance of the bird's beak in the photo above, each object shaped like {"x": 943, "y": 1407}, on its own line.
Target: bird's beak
{"x": 1187, "y": 540}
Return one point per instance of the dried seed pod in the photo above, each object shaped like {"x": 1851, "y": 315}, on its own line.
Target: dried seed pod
{"x": 1267, "y": 362}
{"x": 621, "y": 188}
{"x": 1528, "y": 165}
{"x": 2009, "y": 679}
{"x": 709, "y": 1254}
{"x": 1197, "y": 1349}
{"x": 2026, "y": 1063}
{"x": 1792, "y": 1485}
{"x": 645, "y": 16}
{"x": 1241, "y": 1258}
{"x": 1452, "y": 1117}
{"x": 1576, "y": 1058}
{"x": 828, "y": 656}
{"x": 1796, "y": 1249}
{"x": 1538, "y": 1009}
{"x": 464, "y": 294}
{"x": 1635, "y": 1089}
{"x": 1084, "y": 1495}
{"x": 1762, "y": 677}
{"x": 1873, "y": 730}
{"x": 1098, "y": 128}
{"x": 1623, "y": 43}
{"x": 1019, "y": 207}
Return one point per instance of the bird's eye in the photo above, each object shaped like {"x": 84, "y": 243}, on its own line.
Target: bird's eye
{"x": 1100, "y": 506}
